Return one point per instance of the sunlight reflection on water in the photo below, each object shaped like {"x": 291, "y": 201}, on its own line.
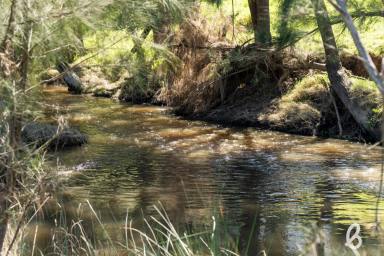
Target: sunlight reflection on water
{"x": 140, "y": 155}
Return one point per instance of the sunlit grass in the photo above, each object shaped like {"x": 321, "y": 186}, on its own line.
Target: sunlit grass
{"x": 157, "y": 235}
{"x": 369, "y": 31}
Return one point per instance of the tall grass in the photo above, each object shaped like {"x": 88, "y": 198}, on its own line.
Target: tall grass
{"x": 157, "y": 235}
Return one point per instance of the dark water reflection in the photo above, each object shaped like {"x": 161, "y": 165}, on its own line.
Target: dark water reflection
{"x": 276, "y": 184}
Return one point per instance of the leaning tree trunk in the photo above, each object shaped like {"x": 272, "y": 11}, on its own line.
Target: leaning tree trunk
{"x": 260, "y": 20}
{"x": 337, "y": 76}
{"x": 70, "y": 78}
{"x": 143, "y": 36}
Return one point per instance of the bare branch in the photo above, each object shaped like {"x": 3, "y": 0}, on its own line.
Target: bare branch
{"x": 374, "y": 74}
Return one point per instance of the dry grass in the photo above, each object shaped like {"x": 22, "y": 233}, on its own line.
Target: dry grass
{"x": 367, "y": 94}
{"x": 313, "y": 89}
{"x": 369, "y": 98}
{"x": 294, "y": 116}
{"x": 191, "y": 87}
{"x": 301, "y": 108}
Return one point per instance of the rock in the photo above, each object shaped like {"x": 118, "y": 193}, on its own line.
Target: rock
{"x": 107, "y": 90}
{"x": 97, "y": 84}
{"x": 50, "y": 76}
{"x": 39, "y": 134}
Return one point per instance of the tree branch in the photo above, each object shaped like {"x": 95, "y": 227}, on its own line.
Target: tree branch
{"x": 374, "y": 74}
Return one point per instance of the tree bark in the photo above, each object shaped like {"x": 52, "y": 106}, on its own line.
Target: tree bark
{"x": 26, "y": 47}
{"x": 369, "y": 65}
{"x": 260, "y": 20}
{"x": 143, "y": 36}
{"x": 3, "y": 219}
{"x": 337, "y": 76}
{"x": 11, "y": 27}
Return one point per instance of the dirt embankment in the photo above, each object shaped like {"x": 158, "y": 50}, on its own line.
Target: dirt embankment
{"x": 248, "y": 86}
{"x": 284, "y": 90}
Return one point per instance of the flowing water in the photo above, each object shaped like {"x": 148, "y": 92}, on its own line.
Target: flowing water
{"x": 275, "y": 190}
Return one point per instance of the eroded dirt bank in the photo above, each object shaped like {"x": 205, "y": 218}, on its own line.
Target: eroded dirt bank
{"x": 284, "y": 90}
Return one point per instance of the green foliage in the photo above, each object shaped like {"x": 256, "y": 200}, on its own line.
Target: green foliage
{"x": 311, "y": 89}
{"x": 368, "y": 97}
{"x": 301, "y": 109}
{"x": 112, "y": 51}
{"x": 5, "y": 104}
{"x": 90, "y": 234}
{"x": 296, "y": 19}
{"x": 220, "y": 15}
{"x": 216, "y": 2}
{"x": 135, "y": 15}
{"x": 366, "y": 92}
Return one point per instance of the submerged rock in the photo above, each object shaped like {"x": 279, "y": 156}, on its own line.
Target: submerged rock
{"x": 39, "y": 134}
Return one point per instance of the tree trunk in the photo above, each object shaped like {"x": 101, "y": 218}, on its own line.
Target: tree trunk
{"x": 3, "y": 219}
{"x": 337, "y": 76}
{"x": 26, "y": 47}
{"x": 70, "y": 78}
{"x": 7, "y": 62}
{"x": 143, "y": 36}
{"x": 11, "y": 27}
{"x": 260, "y": 20}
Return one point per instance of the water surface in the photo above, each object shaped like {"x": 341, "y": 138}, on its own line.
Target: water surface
{"x": 278, "y": 184}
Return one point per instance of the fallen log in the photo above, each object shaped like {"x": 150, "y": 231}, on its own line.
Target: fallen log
{"x": 71, "y": 79}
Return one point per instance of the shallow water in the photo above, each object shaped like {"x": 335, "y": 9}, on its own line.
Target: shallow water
{"x": 282, "y": 186}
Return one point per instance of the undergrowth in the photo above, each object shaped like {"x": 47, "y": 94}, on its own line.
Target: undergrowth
{"x": 309, "y": 102}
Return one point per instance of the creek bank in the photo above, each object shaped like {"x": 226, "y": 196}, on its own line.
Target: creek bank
{"x": 285, "y": 90}
{"x": 39, "y": 134}
{"x": 305, "y": 107}
{"x": 300, "y": 104}
{"x": 242, "y": 85}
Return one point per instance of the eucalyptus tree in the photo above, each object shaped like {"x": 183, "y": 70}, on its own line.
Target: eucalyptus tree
{"x": 261, "y": 21}
{"x": 296, "y": 14}
{"x": 336, "y": 73}
{"x": 376, "y": 75}
{"x": 260, "y": 16}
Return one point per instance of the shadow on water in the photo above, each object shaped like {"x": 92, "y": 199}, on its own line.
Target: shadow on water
{"x": 270, "y": 187}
